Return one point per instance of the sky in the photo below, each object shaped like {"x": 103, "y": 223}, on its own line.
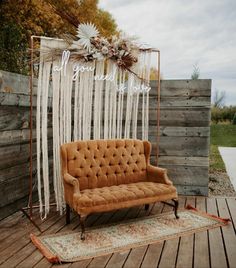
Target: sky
{"x": 188, "y": 33}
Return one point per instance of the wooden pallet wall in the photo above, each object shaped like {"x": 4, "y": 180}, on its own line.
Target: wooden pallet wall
{"x": 184, "y": 143}
{"x": 184, "y": 133}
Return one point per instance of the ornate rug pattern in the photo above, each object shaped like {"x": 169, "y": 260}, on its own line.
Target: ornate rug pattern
{"x": 67, "y": 247}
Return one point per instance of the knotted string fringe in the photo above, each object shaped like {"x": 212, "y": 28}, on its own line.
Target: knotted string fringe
{"x": 100, "y": 103}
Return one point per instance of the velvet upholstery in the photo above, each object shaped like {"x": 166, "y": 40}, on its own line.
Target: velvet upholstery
{"x": 103, "y": 175}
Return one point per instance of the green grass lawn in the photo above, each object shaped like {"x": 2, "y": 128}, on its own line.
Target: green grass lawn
{"x": 221, "y": 135}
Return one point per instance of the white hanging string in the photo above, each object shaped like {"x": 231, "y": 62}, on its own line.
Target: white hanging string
{"x": 119, "y": 103}
{"x": 80, "y": 108}
{"x": 95, "y": 100}
{"x": 38, "y": 134}
{"x": 147, "y": 78}
{"x": 98, "y": 90}
{"x": 76, "y": 108}
{"x": 114, "y": 101}
{"x": 129, "y": 102}
{"x": 138, "y": 70}
{"x": 57, "y": 180}
{"x": 90, "y": 98}
{"x": 143, "y": 96}
{"x": 106, "y": 103}
{"x": 44, "y": 128}
{"x": 122, "y": 104}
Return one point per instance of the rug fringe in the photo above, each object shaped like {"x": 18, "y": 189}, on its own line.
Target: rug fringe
{"x": 224, "y": 220}
{"x": 47, "y": 254}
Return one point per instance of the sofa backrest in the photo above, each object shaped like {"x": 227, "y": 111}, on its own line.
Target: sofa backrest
{"x": 100, "y": 163}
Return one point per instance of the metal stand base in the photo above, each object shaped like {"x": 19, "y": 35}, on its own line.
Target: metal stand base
{"x": 25, "y": 212}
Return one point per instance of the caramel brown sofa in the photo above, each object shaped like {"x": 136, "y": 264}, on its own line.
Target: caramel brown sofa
{"x": 105, "y": 175}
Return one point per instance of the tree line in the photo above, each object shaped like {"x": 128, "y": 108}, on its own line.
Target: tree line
{"x": 23, "y": 18}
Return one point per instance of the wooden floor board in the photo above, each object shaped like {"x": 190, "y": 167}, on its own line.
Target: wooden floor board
{"x": 213, "y": 248}
{"x": 185, "y": 253}
{"x": 170, "y": 248}
{"x": 201, "y": 248}
{"x": 231, "y": 202}
{"x": 216, "y": 246}
{"x": 20, "y": 239}
{"x": 228, "y": 233}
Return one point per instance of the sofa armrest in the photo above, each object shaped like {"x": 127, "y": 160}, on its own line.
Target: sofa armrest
{"x": 72, "y": 181}
{"x": 157, "y": 174}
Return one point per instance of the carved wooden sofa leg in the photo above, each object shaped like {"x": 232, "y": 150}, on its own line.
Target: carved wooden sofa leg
{"x": 176, "y": 205}
{"x": 146, "y": 206}
{"x": 67, "y": 214}
{"x": 82, "y": 224}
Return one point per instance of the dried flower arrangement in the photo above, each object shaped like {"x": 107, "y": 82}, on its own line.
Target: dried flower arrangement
{"x": 88, "y": 45}
{"x": 118, "y": 49}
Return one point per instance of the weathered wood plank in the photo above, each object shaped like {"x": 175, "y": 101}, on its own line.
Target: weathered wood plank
{"x": 18, "y": 154}
{"x": 217, "y": 252}
{"x": 185, "y": 102}
{"x": 192, "y": 189}
{"x": 169, "y": 252}
{"x": 15, "y": 99}
{"x": 182, "y": 175}
{"x": 184, "y": 146}
{"x": 13, "y": 137}
{"x": 228, "y": 232}
{"x": 27, "y": 247}
{"x": 14, "y": 118}
{"x": 181, "y": 131}
{"x": 183, "y": 161}
{"x": 16, "y": 83}
{"x": 188, "y": 117}
{"x": 17, "y": 240}
{"x": 185, "y": 253}
{"x": 232, "y": 205}
{"x": 178, "y": 88}
{"x": 201, "y": 249}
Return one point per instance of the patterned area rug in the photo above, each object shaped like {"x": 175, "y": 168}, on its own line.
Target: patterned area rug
{"x": 67, "y": 247}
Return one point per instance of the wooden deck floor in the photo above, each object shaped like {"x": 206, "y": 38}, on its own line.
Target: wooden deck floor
{"x": 213, "y": 248}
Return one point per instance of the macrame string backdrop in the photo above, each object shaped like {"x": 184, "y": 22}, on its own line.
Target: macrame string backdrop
{"x": 100, "y": 101}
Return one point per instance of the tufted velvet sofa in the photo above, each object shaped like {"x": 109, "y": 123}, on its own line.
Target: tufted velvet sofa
{"x": 105, "y": 175}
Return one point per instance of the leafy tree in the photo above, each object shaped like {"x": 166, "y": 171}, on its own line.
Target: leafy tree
{"x": 234, "y": 119}
{"x": 196, "y": 72}
{"x": 154, "y": 74}
{"x": 23, "y": 18}
{"x": 219, "y": 98}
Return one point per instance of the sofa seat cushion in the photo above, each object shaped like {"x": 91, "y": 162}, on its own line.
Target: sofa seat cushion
{"x": 117, "y": 194}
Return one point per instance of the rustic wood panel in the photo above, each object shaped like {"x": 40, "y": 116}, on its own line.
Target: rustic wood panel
{"x": 183, "y": 161}
{"x": 184, "y": 146}
{"x": 184, "y": 132}
{"x": 13, "y": 118}
{"x": 184, "y": 135}
{"x": 192, "y": 189}
{"x": 16, "y": 83}
{"x": 179, "y": 88}
{"x": 185, "y": 117}
{"x": 182, "y": 175}
{"x": 14, "y": 155}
